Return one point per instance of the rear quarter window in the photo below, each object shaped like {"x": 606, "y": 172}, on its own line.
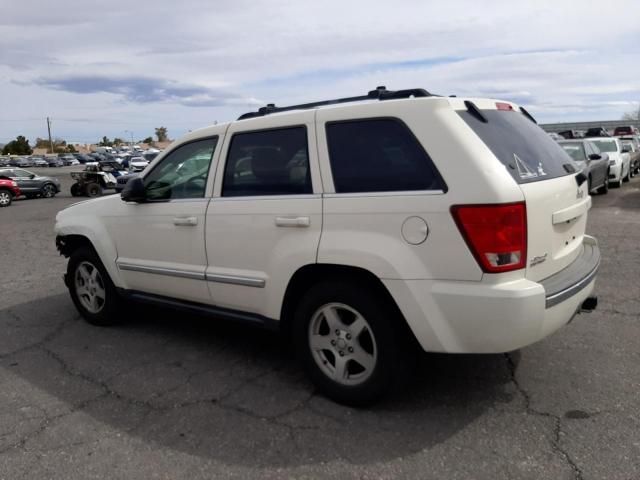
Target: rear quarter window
{"x": 527, "y": 152}
{"x": 379, "y": 155}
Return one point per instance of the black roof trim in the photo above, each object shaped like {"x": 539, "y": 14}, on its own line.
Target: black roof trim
{"x": 380, "y": 93}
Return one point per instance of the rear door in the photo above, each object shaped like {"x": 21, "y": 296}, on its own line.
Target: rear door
{"x": 557, "y": 200}
{"x": 265, "y": 220}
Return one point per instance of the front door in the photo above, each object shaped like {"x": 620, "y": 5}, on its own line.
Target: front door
{"x": 265, "y": 220}
{"x": 160, "y": 242}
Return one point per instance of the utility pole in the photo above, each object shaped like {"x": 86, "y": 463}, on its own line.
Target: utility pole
{"x": 49, "y": 129}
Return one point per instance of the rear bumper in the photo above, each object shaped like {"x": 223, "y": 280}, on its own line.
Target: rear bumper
{"x": 483, "y": 317}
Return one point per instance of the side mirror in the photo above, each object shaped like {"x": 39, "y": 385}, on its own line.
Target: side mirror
{"x": 134, "y": 191}
{"x": 595, "y": 156}
{"x": 32, "y": 176}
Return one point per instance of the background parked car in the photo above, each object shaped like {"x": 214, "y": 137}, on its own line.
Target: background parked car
{"x": 596, "y": 132}
{"x": 4, "y": 161}
{"x": 619, "y": 165}
{"x": 590, "y": 159}
{"x": 633, "y": 145}
{"x": 20, "y": 162}
{"x": 54, "y": 162}
{"x": 40, "y": 162}
{"x": 625, "y": 130}
{"x": 31, "y": 184}
{"x": 8, "y": 191}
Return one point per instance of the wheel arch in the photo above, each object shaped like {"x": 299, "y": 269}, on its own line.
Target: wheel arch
{"x": 309, "y": 275}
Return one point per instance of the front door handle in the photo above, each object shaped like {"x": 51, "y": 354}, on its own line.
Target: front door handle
{"x": 185, "y": 221}
{"x": 293, "y": 222}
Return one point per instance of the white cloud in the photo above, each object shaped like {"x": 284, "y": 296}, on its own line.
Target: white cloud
{"x": 565, "y": 60}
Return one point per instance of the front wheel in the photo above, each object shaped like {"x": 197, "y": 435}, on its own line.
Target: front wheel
{"x": 48, "y": 191}
{"x": 92, "y": 291}
{"x": 93, "y": 190}
{"x": 75, "y": 190}
{"x": 351, "y": 342}
{"x": 626, "y": 178}
{"x": 5, "y": 198}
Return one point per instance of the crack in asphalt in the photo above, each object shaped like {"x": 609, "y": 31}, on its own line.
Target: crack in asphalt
{"x": 557, "y": 429}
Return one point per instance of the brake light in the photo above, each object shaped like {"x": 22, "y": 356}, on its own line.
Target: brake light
{"x": 495, "y": 234}
{"x": 503, "y": 106}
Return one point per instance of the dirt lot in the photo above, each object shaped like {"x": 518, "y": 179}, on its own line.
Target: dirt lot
{"x": 174, "y": 397}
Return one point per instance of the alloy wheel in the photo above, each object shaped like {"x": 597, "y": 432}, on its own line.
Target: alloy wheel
{"x": 89, "y": 287}
{"x": 342, "y": 344}
{"x": 5, "y": 199}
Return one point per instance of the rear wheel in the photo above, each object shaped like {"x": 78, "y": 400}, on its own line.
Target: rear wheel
{"x": 75, "y": 190}
{"x": 91, "y": 288}
{"x": 351, "y": 342}
{"x": 5, "y": 198}
{"x": 48, "y": 190}
{"x": 93, "y": 190}
{"x": 605, "y": 187}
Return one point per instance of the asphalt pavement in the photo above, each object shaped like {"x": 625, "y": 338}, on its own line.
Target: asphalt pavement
{"x": 169, "y": 396}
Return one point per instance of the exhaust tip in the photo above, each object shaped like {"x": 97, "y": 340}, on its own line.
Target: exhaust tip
{"x": 589, "y": 304}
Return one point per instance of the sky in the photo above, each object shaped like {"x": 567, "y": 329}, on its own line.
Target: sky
{"x": 122, "y": 68}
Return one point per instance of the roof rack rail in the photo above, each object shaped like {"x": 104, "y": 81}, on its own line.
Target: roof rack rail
{"x": 380, "y": 93}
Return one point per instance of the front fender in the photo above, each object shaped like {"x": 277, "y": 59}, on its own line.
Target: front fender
{"x": 89, "y": 226}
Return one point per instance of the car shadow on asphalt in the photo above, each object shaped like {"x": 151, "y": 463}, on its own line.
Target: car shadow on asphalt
{"x": 226, "y": 392}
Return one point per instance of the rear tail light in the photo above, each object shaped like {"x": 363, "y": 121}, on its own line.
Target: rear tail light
{"x": 496, "y": 234}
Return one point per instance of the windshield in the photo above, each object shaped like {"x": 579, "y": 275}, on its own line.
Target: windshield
{"x": 575, "y": 151}
{"x": 606, "y": 145}
{"x": 528, "y": 153}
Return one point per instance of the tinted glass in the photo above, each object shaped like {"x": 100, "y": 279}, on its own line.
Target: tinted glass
{"x": 606, "y": 145}
{"x": 268, "y": 162}
{"x": 378, "y": 155}
{"x": 575, "y": 151}
{"x": 522, "y": 146}
{"x": 182, "y": 173}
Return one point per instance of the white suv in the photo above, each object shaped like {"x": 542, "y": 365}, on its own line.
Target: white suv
{"x": 362, "y": 227}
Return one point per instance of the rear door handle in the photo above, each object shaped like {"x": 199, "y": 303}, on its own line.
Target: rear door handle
{"x": 185, "y": 221}
{"x": 293, "y": 222}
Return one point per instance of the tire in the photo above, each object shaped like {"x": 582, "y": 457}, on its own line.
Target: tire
{"x": 93, "y": 190}
{"x": 5, "y": 198}
{"x": 605, "y": 187}
{"x": 91, "y": 289}
{"x": 48, "y": 190}
{"x": 75, "y": 190}
{"x": 626, "y": 179}
{"x": 369, "y": 364}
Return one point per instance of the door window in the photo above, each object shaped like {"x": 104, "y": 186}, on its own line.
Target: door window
{"x": 183, "y": 173}
{"x": 268, "y": 162}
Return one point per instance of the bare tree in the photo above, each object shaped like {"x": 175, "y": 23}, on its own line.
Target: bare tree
{"x": 632, "y": 115}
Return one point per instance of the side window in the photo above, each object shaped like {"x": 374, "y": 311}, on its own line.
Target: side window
{"x": 378, "y": 155}
{"x": 268, "y": 162}
{"x": 182, "y": 173}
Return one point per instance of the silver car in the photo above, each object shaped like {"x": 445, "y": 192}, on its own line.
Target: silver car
{"x": 31, "y": 184}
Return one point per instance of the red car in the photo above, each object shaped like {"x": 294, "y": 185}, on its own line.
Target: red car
{"x": 8, "y": 191}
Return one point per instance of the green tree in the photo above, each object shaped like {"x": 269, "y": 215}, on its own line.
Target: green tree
{"x": 118, "y": 141}
{"x": 71, "y": 149}
{"x": 106, "y": 142}
{"x": 161, "y": 133}
{"x": 19, "y": 146}
{"x": 148, "y": 140}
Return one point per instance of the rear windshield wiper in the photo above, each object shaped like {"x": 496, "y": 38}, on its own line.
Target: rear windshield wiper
{"x": 475, "y": 111}
{"x": 528, "y": 115}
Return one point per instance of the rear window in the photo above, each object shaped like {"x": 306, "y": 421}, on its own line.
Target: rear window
{"x": 575, "y": 151}
{"x": 608, "y": 146}
{"x": 528, "y": 153}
